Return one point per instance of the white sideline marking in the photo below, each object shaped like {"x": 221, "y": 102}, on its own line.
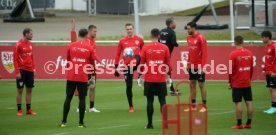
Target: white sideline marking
{"x": 61, "y": 133}
{"x": 10, "y": 108}
{"x": 114, "y": 127}
{"x": 220, "y": 113}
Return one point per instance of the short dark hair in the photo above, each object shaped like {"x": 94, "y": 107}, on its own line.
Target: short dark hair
{"x": 129, "y": 24}
{"x": 27, "y": 31}
{"x": 238, "y": 40}
{"x": 92, "y": 27}
{"x": 192, "y": 24}
{"x": 169, "y": 21}
{"x": 83, "y": 33}
{"x": 155, "y": 33}
{"x": 266, "y": 34}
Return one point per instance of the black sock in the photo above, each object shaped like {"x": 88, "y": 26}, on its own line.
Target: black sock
{"x": 82, "y": 109}
{"x": 19, "y": 107}
{"x": 193, "y": 101}
{"x": 273, "y": 104}
{"x": 28, "y": 106}
{"x": 248, "y": 122}
{"x": 204, "y": 102}
{"x": 239, "y": 122}
{"x": 129, "y": 80}
{"x": 172, "y": 88}
{"x": 150, "y": 100}
{"x": 66, "y": 107}
{"x": 91, "y": 104}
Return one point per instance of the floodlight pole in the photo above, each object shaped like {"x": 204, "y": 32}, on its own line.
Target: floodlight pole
{"x": 231, "y": 4}
{"x": 136, "y": 17}
{"x": 30, "y": 9}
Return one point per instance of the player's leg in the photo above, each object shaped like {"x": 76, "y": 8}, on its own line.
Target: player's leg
{"x": 29, "y": 82}
{"x": 237, "y": 99}
{"x": 82, "y": 88}
{"x": 201, "y": 83}
{"x": 193, "y": 75}
{"x": 247, "y": 95}
{"x": 20, "y": 86}
{"x": 70, "y": 89}
{"x": 129, "y": 81}
{"x": 92, "y": 97}
{"x": 148, "y": 92}
{"x": 162, "y": 93}
{"x": 272, "y": 88}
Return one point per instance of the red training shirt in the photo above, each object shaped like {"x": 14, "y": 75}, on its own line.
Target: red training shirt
{"x": 197, "y": 51}
{"x": 23, "y": 56}
{"x": 79, "y": 54}
{"x": 270, "y": 58}
{"x": 92, "y": 42}
{"x": 136, "y": 43}
{"x": 242, "y": 68}
{"x": 153, "y": 55}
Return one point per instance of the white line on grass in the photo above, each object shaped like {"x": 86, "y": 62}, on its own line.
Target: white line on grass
{"x": 114, "y": 127}
{"x": 221, "y": 113}
{"x": 10, "y": 108}
{"x": 61, "y": 133}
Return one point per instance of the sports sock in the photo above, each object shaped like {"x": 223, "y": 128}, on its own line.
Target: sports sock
{"x": 82, "y": 109}
{"x": 28, "y": 106}
{"x": 204, "y": 102}
{"x": 248, "y": 122}
{"x": 19, "y": 107}
{"x": 239, "y": 122}
{"x": 91, "y": 104}
{"x": 150, "y": 100}
{"x": 273, "y": 104}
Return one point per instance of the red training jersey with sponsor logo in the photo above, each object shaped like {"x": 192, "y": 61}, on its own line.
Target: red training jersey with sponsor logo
{"x": 23, "y": 56}
{"x": 155, "y": 55}
{"x": 80, "y": 57}
{"x": 197, "y": 51}
{"x": 135, "y": 43}
{"x": 270, "y": 58}
{"x": 242, "y": 68}
{"x": 92, "y": 42}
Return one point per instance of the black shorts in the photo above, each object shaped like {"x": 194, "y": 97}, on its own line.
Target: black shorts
{"x": 27, "y": 79}
{"x": 239, "y": 93}
{"x": 72, "y": 85}
{"x": 270, "y": 81}
{"x": 194, "y": 75}
{"x": 155, "y": 89}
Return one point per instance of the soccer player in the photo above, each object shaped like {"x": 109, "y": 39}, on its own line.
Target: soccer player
{"x": 91, "y": 39}
{"x": 270, "y": 68}
{"x": 79, "y": 56}
{"x": 196, "y": 62}
{"x": 240, "y": 81}
{"x": 135, "y": 43}
{"x": 168, "y": 37}
{"x": 24, "y": 69}
{"x": 155, "y": 58}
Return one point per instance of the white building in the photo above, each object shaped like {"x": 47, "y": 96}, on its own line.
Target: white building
{"x": 146, "y": 7}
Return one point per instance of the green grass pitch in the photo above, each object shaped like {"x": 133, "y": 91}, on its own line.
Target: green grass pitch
{"x": 48, "y": 98}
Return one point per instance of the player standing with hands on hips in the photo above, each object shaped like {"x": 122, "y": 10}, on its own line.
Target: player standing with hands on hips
{"x": 155, "y": 60}
{"x": 240, "y": 81}
{"x": 196, "y": 62}
{"x": 130, "y": 43}
{"x": 25, "y": 70}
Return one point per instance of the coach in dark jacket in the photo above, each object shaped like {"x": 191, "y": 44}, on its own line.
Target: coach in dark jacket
{"x": 168, "y": 37}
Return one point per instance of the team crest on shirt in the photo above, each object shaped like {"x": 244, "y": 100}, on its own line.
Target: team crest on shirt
{"x": 149, "y": 51}
{"x": 137, "y": 42}
{"x": 31, "y": 47}
{"x": 269, "y": 50}
{"x": 7, "y": 61}
{"x": 195, "y": 41}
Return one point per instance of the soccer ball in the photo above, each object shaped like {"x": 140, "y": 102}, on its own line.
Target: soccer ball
{"x": 128, "y": 52}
